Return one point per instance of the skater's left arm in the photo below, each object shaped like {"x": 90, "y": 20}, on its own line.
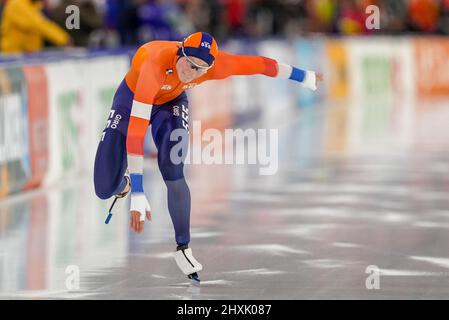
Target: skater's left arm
{"x": 227, "y": 65}
{"x": 147, "y": 86}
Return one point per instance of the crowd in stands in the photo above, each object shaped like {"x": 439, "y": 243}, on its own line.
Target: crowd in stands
{"x": 31, "y": 25}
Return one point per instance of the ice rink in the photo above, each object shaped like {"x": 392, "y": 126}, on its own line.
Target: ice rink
{"x": 347, "y": 195}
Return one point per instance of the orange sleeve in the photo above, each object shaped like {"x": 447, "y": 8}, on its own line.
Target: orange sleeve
{"x": 231, "y": 65}
{"x": 148, "y": 84}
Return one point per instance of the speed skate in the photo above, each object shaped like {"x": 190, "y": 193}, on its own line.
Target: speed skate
{"x": 188, "y": 264}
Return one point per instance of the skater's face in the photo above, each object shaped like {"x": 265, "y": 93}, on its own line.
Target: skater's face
{"x": 190, "y": 68}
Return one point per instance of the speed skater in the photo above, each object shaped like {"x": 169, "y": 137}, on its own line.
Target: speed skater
{"x": 153, "y": 93}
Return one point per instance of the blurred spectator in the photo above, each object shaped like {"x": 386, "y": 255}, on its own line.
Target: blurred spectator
{"x": 121, "y": 18}
{"x": 352, "y": 17}
{"x": 1, "y": 6}
{"x": 90, "y": 20}
{"x": 133, "y": 22}
{"x": 444, "y": 20}
{"x": 424, "y": 15}
{"x": 24, "y": 28}
{"x": 138, "y": 21}
{"x": 197, "y": 13}
{"x": 321, "y": 15}
{"x": 393, "y": 18}
{"x": 158, "y": 20}
{"x": 235, "y": 15}
{"x": 264, "y": 19}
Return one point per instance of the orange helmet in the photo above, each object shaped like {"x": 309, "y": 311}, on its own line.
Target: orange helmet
{"x": 200, "y": 45}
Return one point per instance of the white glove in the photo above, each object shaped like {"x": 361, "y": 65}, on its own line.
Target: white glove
{"x": 309, "y": 80}
{"x": 286, "y": 71}
{"x": 139, "y": 203}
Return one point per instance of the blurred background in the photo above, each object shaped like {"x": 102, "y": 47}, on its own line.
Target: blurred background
{"x": 363, "y": 175}
{"x": 115, "y": 23}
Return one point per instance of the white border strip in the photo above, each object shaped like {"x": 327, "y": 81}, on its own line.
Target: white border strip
{"x": 135, "y": 163}
{"x": 141, "y": 110}
{"x": 285, "y": 70}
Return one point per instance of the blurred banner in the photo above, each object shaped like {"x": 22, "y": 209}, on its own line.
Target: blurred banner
{"x": 432, "y": 67}
{"x": 14, "y": 150}
{"x": 383, "y": 93}
{"x": 37, "y": 123}
{"x": 52, "y": 114}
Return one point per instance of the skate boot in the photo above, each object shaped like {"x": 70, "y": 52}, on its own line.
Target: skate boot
{"x": 188, "y": 264}
{"x": 119, "y": 196}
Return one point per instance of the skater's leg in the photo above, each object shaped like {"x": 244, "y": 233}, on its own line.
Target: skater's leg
{"x": 178, "y": 195}
{"x": 170, "y": 133}
{"x": 110, "y": 160}
{"x": 110, "y": 164}
{"x": 164, "y": 121}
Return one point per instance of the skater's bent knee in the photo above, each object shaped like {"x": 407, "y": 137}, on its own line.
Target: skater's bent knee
{"x": 102, "y": 194}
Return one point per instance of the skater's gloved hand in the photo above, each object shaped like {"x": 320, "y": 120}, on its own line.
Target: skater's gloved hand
{"x": 311, "y": 80}
{"x": 139, "y": 208}
{"x": 306, "y": 78}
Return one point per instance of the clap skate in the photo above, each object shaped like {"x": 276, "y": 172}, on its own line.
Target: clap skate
{"x": 119, "y": 196}
{"x": 188, "y": 264}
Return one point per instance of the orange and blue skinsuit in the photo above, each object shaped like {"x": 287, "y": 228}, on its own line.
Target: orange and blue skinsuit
{"x": 152, "y": 91}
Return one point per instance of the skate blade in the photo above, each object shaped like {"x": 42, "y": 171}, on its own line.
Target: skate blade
{"x": 194, "y": 279}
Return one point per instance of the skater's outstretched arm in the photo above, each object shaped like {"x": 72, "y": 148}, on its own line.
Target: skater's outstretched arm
{"x": 146, "y": 88}
{"x": 230, "y": 65}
